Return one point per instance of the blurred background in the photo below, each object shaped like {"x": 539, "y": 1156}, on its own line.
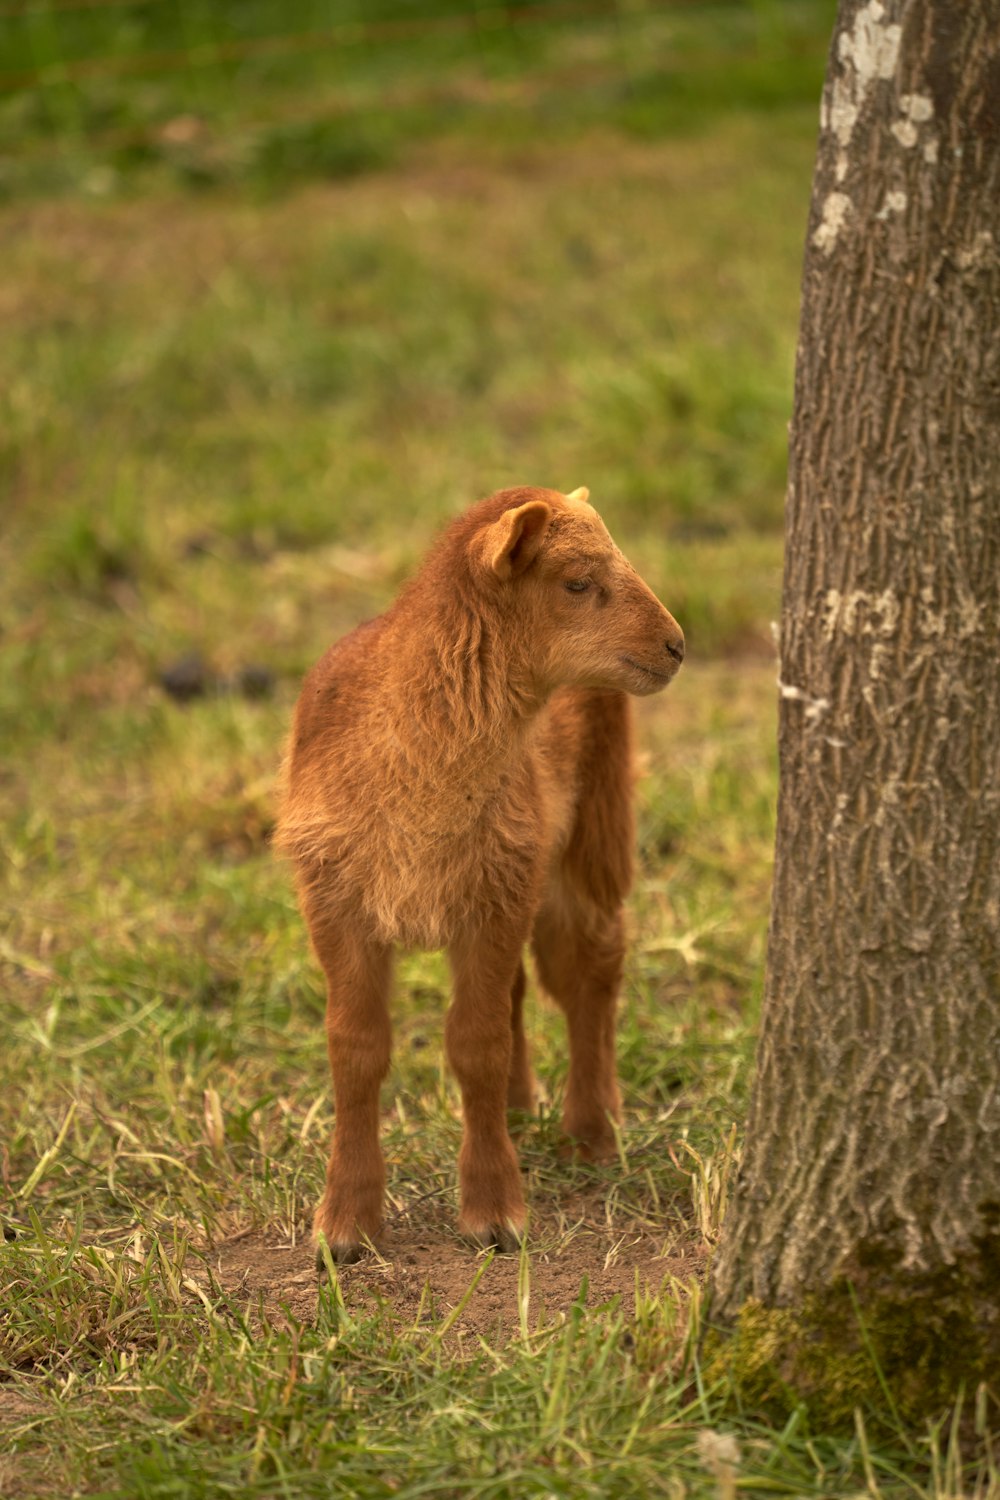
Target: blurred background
{"x": 285, "y": 275}
{"x": 282, "y": 287}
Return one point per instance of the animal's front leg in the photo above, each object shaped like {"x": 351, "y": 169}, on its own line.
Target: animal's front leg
{"x": 478, "y": 1040}
{"x": 520, "y": 1084}
{"x": 358, "y": 1042}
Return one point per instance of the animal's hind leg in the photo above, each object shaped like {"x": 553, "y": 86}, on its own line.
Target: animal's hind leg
{"x": 578, "y": 939}
{"x": 520, "y": 1085}
{"x": 358, "y": 1042}
{"x": 579, "y": 951}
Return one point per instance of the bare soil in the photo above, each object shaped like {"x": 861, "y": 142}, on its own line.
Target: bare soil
{"x": 25, "y": 1474}
{"x": 424, "y": 1273}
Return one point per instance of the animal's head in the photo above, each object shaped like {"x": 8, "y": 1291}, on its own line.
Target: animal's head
{"x": 589, "y": 620}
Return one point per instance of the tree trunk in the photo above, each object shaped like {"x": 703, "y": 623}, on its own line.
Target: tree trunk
{"x": 872, "y": 1163}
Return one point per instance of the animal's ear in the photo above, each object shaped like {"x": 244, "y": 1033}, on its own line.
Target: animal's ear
{"x": 513, "y": 542}
{"x": 581, "y": 496}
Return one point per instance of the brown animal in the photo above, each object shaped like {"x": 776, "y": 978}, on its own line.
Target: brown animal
{"x": 459, "y": 775}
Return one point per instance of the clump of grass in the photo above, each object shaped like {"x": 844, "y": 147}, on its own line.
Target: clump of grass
{"x": 69, "y": 1304}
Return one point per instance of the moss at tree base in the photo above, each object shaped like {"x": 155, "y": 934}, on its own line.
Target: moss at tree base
{"x": 903, "y": 1346}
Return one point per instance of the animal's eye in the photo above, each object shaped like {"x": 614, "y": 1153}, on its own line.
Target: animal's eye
{"x": 577, "y": 585}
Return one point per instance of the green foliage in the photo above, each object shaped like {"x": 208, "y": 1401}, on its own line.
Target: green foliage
{"x": 104, "y": 99}
{"x": 682, "y": 98}
{"x": 321, "y": 148}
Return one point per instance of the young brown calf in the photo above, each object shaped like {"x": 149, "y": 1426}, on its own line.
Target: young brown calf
{"x": 459, "y": 775}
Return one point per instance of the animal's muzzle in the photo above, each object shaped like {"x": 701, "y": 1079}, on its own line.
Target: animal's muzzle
{"x": 675, "y": 640}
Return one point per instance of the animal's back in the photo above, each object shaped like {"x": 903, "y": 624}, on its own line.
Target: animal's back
{"x": 336, "y": 695}
{"x": 322, "y": 756}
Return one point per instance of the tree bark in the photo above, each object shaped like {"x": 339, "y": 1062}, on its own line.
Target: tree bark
{"x": 874, "y": 1132}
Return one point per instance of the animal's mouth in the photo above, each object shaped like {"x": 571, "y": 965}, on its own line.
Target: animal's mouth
{"x": 653, "y": 673}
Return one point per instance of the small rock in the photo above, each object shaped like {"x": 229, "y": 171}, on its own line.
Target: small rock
{"x": 186, "y": 678}
{"x": 255, "y": 681}
{"x": 201, "y": 544}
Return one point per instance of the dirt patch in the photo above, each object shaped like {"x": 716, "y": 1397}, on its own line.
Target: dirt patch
{"x": 425, "y": 1274}
{"x": 16, "y": 1407}
{"x": 24, "y": 1475}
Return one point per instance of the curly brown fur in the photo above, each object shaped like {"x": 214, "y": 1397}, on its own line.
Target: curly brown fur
{"x": 459, "y": 775}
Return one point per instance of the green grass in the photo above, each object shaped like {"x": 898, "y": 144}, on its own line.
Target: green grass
{"x": 100, "y": 99}
{"x": 230, "y": 421}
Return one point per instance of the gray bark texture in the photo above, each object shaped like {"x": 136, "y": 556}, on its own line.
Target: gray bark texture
{"x": 875, "y": 1119}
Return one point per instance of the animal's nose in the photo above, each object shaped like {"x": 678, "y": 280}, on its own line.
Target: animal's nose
{"x": 675, "y": 647}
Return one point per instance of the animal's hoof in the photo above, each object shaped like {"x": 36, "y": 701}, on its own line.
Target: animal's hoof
{"x": 342, "y": 1253}
{"x": 521, "y": 1097}
{"x": 504, "y": 1237}
{"x": 518, "y": 1121}
{"x": 593, "y": 1149}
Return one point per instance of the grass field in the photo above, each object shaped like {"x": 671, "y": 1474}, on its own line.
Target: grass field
{"x": 250, "y": 362}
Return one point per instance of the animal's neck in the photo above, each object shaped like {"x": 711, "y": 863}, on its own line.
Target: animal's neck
{"x": 460, "y": 681}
